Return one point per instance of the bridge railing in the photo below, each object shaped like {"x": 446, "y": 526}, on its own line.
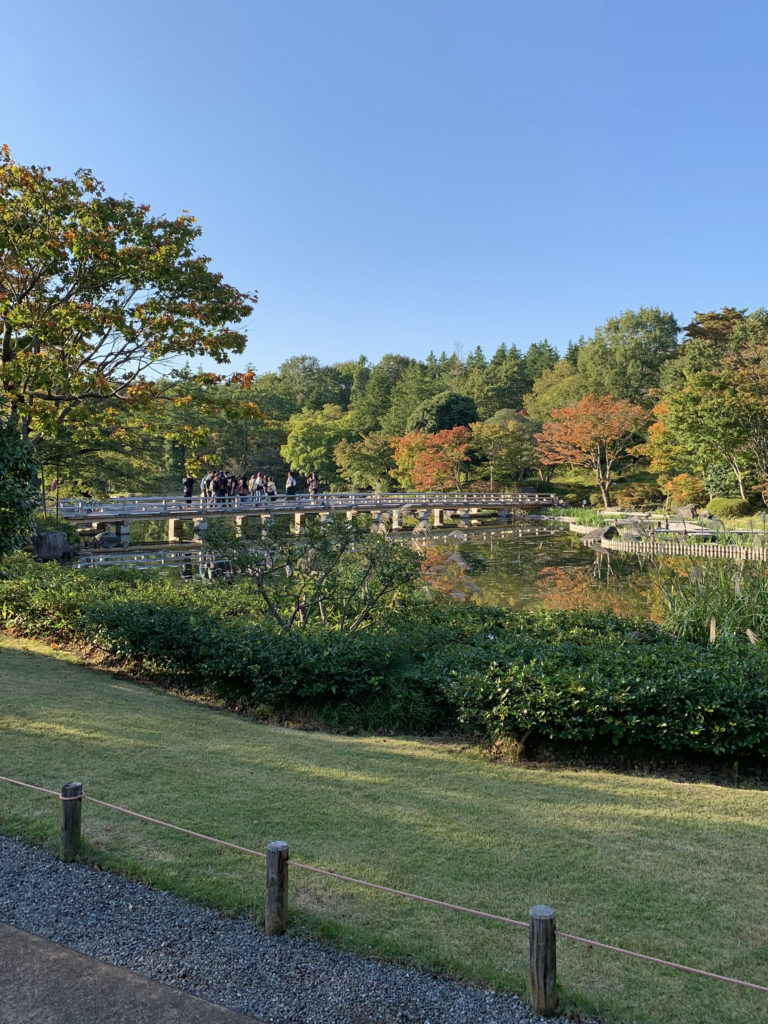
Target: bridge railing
{"x": 169, "y": 505}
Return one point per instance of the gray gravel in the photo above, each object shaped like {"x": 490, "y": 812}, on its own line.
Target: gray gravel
{"x": 282, "y": 980}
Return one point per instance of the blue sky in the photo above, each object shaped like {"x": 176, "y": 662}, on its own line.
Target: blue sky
{"x": 419, "y": 175}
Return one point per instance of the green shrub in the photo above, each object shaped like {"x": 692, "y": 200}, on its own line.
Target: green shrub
{"x": 587, "y": 679}
{"x": 728, "y": 508}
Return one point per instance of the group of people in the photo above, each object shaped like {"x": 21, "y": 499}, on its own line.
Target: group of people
{"x": 216, "y": 488}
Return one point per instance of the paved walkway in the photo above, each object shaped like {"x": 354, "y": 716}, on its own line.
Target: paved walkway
{"x": 44, "y": 983}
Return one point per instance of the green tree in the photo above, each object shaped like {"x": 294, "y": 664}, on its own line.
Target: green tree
{"x": 539, "y": 356}
{"x": 366, "y": 464}
{"x": 94, "y": 291}
{"x": 505, "y": 447}
{"x": 625, "y": 356}
{"x": 557, "y": 387}
{"x": 18, "y": 491}
{"x": 312, "y": 437}
{"x": 443, "y": 412}
{"x": 336, "y": 574}
{"x": 371, "y": 395}
{"x": 418, "y": 383}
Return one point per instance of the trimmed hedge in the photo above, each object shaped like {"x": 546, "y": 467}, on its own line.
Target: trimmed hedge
{"x": 728, "y": 508}
{"x": 588, "y": 680}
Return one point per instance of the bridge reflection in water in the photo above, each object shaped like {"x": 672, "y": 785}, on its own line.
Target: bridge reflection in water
{"x": 193, "y": 561}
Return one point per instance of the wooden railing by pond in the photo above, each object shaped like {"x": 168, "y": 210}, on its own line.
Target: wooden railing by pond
{"x": 121, "y": 512}
{"x": 680, "y": 549}
{"x": 175, "y": 506}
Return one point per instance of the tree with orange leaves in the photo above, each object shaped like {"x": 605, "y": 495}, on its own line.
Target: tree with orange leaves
{"x": 594, "y": 433}
{"x": 432, "y": 462}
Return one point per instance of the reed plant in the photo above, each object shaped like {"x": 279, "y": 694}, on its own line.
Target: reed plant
{"x": 715, "y": 601}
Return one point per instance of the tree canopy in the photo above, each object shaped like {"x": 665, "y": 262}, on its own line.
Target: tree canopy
{"x": 94, "y": 293}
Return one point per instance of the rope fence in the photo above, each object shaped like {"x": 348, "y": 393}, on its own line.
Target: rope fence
{"x": 541, "y": 923}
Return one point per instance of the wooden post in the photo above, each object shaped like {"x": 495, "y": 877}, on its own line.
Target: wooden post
{"x": 174, "y": 531}
{"x": 543, "y": 960}
{"x": 277, "y": 889}
{"x": 71, "y": 812}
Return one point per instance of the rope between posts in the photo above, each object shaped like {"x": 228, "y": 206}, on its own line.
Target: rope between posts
{"x": 394, "y": 892}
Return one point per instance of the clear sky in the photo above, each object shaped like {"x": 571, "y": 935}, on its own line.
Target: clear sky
{"x": 417, "y": 174}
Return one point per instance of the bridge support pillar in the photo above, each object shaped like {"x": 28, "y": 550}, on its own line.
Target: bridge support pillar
{"x": 325, "y": 517}
{"x": 239, "y": 524}
{"x": 397, "y": 521}
{"x": 351, "y": 513}
{"x": 299, "y": 521}
{"x": 174, "y": 531}
{"x": 423, "y": 515}
{"x": 375, "y": 522}
{"x": 502, "y": 516}
{"x": 438, "y": 517}
{"x": 199, "y": 526}
{"x": 266, "y": 522}
{"x": 463, "y": 517}
{"x": 123, "y": 531}
{"x": 474, "y": 511}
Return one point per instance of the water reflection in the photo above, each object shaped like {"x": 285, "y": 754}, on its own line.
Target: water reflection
{"x": 555, "y": 571}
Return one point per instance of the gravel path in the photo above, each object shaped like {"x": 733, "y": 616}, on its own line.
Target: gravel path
{"x": 285, "y": 980}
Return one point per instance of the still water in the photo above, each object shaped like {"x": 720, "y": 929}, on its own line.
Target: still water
{"x": 510, "y": 568}
{"x": 553, "y": 569}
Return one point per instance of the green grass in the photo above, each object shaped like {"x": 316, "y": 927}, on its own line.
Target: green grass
{"x": 670, "y": 869}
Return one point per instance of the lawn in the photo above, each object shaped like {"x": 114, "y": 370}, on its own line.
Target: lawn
{"x": 675, "y": 870}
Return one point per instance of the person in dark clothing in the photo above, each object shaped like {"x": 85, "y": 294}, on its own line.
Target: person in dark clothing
{"x": 186, "y": 485}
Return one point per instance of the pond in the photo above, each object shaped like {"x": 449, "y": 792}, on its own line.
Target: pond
{"x": 518, "y": 567}
{"x": 549, "y": 568}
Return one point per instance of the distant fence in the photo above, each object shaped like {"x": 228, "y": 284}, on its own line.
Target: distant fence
{"x": 540, "y": 924}
{"x": 654, "y": 548}
{"x": 678, "y": 548}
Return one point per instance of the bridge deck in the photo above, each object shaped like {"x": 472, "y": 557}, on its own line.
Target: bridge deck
{"x": 83, "y": 510}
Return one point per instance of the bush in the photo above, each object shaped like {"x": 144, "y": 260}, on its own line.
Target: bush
{"x": 585, "y": 679}
{"x": 728, "y": 508}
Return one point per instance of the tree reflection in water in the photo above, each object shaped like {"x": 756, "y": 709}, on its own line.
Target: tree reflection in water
{"x": 556, "y": 572}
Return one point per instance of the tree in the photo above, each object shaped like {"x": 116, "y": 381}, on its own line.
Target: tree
{"x": 94, "y": 292}
{"x": 716, "y": 401}
{"x": 18, "y": 492}
{"x": 365, "y": 463}
{"x": 432, "y": 462}
{"x": 371, "y": 393}
{"x": 337, "y": 574}
{"x": 443, "y": 412}
{"x": 695, "y": 430}
{"x": 312, "y": 437}
{"x": 418, "y": 383}
{"x": 540, "y": 356}
{"x": 594, "y": 433}
{"x": 505, "y": 447}
{"x": 559, "y": 386}
{"x": 625, "y": 356}
{"x": 499, "y": 385}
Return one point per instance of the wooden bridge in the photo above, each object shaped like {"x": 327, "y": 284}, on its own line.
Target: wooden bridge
{"x": 121, "y": 512}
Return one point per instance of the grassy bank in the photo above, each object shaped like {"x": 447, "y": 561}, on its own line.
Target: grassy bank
{"x": 673, "y": 870}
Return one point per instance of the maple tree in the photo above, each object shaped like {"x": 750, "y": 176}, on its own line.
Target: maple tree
{"x": 432, "y": 462}
{"x": 95, "y": 292}
{"x": 595, "y": 433}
